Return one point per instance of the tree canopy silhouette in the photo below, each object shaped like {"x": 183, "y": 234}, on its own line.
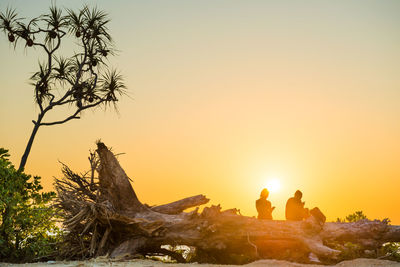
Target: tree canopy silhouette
{"x": 83, "y": 80}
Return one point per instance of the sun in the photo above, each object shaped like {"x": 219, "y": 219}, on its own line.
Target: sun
{"x": 273, "y": 185}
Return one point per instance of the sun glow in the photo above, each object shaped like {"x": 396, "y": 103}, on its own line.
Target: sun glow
{"x": 273, "y": 185}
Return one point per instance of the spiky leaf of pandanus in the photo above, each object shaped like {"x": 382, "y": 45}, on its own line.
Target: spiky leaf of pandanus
{"x": 112, "y": 86}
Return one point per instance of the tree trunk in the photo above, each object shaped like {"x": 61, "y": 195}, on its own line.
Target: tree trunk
{"x": 30, "y": 142}
{"x": 118, "y": 224}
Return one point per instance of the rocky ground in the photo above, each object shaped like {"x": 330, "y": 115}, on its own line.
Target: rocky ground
{"x": 150, "y": 263}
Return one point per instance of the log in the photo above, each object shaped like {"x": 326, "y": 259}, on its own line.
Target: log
{"x": 181, "y": 205}
{"x": 116, "y": 223}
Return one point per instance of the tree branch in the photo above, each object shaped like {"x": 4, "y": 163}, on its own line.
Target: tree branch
{"x": 73, "y": 116}
{"x": 62, "y": 121}
{"x": 78, "y": 76}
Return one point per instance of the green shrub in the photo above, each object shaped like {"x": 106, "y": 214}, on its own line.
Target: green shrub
{"x": 354, "y": 217}
{"x": 28, "y": 229}
{"x": 390, "y": 251}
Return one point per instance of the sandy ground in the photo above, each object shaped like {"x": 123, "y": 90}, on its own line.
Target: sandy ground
{"x": 151, "y": 263}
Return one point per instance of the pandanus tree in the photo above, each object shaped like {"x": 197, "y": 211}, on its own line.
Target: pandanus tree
{"x": 81, "y": 81}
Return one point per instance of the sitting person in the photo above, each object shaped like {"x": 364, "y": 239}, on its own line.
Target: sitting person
{"x": 263, "y": 206}
{"x": 295, "y": 210}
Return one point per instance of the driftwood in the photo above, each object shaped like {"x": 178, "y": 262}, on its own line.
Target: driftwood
{"x": 181, "y": 205}
{"x": 104, "y": 217}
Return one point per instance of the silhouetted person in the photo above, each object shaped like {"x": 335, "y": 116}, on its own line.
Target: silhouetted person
{"x": 295, "y": 210}
{"x": 263, "y": 206}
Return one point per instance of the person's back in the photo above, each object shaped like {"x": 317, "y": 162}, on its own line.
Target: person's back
{"x": 295, "y": 210}
{"x": 263, "y": 206}
{"x": 264, "y": 209}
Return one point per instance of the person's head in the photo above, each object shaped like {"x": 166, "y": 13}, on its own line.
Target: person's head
{"x": 298, "y": 194}
{"x": 264, "y": 193}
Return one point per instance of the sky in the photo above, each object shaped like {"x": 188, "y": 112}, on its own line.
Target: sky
{"x": 225, "y": 96}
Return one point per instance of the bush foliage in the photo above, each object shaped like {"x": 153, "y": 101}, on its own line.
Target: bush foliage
{"x": 354, "y": 217}
{"x": 28, "y": 229}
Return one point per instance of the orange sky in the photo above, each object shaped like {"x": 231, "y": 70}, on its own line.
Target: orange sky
{"x": 226, "y": 95}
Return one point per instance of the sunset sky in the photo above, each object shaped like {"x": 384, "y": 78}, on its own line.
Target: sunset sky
{"x": 225, "y": 96}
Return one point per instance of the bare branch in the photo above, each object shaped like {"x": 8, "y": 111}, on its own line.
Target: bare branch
{"x": 62, "y": 121}
{"x": 42, "y": 45}
{"x": 73, "y": 116}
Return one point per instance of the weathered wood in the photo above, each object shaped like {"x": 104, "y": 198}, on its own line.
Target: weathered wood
{"x": 115, "y": 185}
{"x": 120, "y": 224}
{"x": 181, "y": 205}
{"x": 370, "y": 234}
